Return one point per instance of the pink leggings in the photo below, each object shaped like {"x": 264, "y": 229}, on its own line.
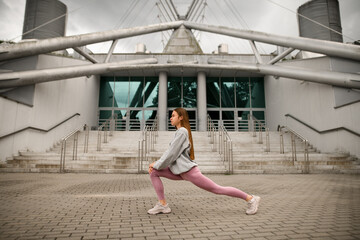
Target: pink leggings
{"x": 194, "y": 176}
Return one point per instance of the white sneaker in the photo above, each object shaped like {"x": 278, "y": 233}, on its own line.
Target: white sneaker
{"x": 253, "y": 205}
{"x": 159, "y": 208}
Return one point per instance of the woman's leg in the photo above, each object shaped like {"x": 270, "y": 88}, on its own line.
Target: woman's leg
{"x": 157, "y": 183}
{"x": 196, "y": 177}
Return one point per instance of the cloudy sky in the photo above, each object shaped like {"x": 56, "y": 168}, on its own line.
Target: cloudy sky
{"x": 271, "y": 16}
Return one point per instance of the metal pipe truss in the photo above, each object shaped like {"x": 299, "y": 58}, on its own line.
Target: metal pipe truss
{"x": 36, "y": 47}
{"x": 346, "y": 80}
{"x": 17, "y": 79}
{"x": 313, "y": 45}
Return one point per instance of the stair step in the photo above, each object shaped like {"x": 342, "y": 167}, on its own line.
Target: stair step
{"x": 120, "y": 155}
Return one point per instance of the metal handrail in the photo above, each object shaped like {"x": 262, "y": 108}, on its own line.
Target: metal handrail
{"x": 39, "y": 129}
{"x": 257, "y": 124}
{"x": 105, "y": 127}
{"x": 74, "y": 133}
{"x": 293, "y": 146}
{"x": 323, "y": 131}
{"x": 146, "y": 143}
{"x": 225, "y": 148}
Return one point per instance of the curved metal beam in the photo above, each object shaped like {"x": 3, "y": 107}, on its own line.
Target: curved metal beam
{"x": 345, "y": 80}
{"x": 53, "y": 44}
{"x": 313, "y": 45}
{"x": 17, "y": 79}
{"x": 36, "y": 47}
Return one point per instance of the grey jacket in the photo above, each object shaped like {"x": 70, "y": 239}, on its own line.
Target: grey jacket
{"x": 177, "y": 157}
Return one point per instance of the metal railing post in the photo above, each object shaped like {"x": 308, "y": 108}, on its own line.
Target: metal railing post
{"x": 231, "y": 162}
{"x": 306, "y": 157}
{"x": 267, "y": 140}
{"x": 105, "y": 131}
{"x": 147, "y": 142}
{"x": 293, "y": 148}
{"x": 220, "y": 140}
{"x": 260, "y": 134}
{"x": 86, "y": 140}
{"x": 62, "y": 156}
{"x": 224, "y": 145}
{"x": 98, "y": 148}
{"x": 74, "y": 134}
{"x": 142, "y": 153}
{"x": 139, "y": 159}
{"x": 254, "y": 127}
{"x": 75, "y": 146}
{"x": 281, "y": 143}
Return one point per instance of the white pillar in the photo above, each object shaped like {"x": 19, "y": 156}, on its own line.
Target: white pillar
{"x": 201, "y": 102}
{"x": 162, "y": 107}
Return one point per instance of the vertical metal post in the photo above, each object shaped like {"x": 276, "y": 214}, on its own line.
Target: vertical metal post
{"x": 75, "y": 146}
{"x": 225, "y": 150}
{"x": 293, "y": 148}
{"x": 260, "y": 134}
{"x": 231, "y": 164}
{"x": 220, "y": 140}
{"x": 62, "y": 155}
{"x": 254, "y": 127}
{"x": 267, "y": 140}
{"x": 139, "y": 156}
{"x": 142, "y": 153}
{"x": 306, "y": 157}
{"x": 281, "y": 143}
{"x": 208, "y": 126}
{"x": 105, "y": 131}
{"x": 86, "y": 143}
{"x": 214, "y": 138}
{"x": 99, "y": 140}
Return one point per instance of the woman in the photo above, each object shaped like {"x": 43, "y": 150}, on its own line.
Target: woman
{"x": 177, "y": 164}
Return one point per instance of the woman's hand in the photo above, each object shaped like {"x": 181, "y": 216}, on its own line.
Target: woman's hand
{"x": 151, "y": 167}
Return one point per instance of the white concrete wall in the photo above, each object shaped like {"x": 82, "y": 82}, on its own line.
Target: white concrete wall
{"x": 53, "y": 103}
{"x": 314, "y": 104}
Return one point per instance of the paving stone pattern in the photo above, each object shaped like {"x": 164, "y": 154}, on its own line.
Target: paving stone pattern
{"x": 114, "y": 206}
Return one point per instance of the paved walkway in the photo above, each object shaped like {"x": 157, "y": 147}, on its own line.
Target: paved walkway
{"x": 110, "y": 206}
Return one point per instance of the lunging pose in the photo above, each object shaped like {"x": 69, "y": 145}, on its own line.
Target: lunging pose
{"x": 177, "y": 164}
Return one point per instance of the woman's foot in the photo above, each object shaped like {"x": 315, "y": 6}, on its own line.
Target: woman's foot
{"x": 253, "y": 205}
{"x": 159, "y": 208}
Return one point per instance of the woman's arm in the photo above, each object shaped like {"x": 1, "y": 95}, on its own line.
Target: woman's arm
{"x": 174, "y": 151}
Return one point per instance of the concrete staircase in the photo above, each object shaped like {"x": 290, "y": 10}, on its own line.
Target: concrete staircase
{"x": 251, "y": 157}
{"x": 120, "y": 155}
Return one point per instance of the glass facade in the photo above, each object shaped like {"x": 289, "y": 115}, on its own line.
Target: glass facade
{"x": 182, "y": 92}
{"x": 231, "y": 99}
{"x": 212, "y": 92}
{"x": 134, "y": 100}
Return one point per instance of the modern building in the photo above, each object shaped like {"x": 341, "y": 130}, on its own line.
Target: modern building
{"x": 45, "y": 96}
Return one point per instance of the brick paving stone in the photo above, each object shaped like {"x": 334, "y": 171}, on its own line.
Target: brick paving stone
{"x": 113, "y": 206}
